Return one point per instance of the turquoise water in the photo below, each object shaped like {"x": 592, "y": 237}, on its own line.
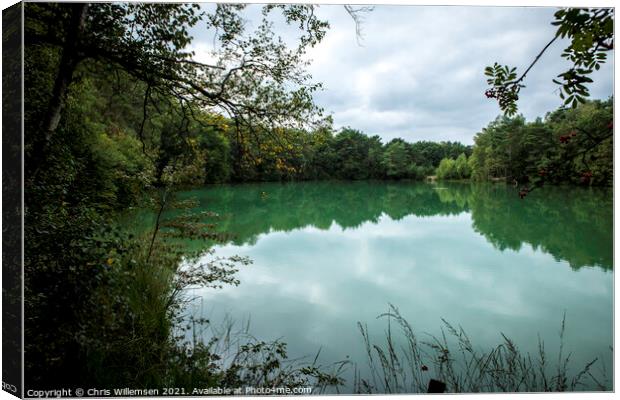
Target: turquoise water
{"x": 329, "y": 254}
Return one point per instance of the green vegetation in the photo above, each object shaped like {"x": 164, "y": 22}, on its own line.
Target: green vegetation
{"x": 568, "y": 146}
{"x": 591, "y": 35}
{"x": 454, "y": 169}
{"x": 313, "y": 155}
{"x": 572, "y": 146}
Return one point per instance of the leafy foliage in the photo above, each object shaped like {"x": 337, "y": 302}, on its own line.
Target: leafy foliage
{"x": 591, "y": 36}
{"x": 504, "y": 87}
{"x": 568, "y": 146}
{"x": 454, "y": 169}
{"x": 320, "y": 154}
{"x": 591, "y": 32}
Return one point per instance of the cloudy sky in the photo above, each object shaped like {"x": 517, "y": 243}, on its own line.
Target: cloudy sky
{"x": 418, "y": 73}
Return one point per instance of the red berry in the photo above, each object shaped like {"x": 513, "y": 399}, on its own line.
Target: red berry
{"x": 523, "y": 192}
{"x": 586, "y": 177}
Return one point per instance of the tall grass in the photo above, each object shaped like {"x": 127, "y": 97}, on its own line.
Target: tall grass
{"x": 405, "y": 364}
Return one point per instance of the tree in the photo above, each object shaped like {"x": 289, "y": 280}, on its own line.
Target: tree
{"x": 351, "y": 149}
{"x": 462, "y": 167}
{"x": 396, "y": 160}
{"x": 375, "y": 158}
{"x": 255, "y": 78}
{"x": 567, "y": 146}
{"x": 446, "y": 169}
{"x": 116, "y": 103}
{"x": 591, "y": 36}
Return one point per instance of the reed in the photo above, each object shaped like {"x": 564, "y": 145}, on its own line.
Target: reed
{"x": 404, "y": 363}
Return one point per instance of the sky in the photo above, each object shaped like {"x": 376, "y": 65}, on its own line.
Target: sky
{"x": 418, "y": 72}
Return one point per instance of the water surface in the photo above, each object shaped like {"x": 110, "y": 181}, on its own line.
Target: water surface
{"x": 329, "y": 254}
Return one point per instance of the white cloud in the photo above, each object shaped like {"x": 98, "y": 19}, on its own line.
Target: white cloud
{"x": 420, "y": 75}
{"x": 419, "y": 71}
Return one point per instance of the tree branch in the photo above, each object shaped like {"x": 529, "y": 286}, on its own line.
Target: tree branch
{"x": 535, "y": 60}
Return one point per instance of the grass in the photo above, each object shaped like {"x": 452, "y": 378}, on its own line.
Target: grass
{"x": 452, "y": 359}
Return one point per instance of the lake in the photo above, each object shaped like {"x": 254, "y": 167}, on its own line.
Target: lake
{"x": 327, "y": 255}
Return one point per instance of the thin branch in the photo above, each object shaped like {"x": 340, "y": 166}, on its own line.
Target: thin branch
{"x": 535, "y": 60}
{"x": 192, "y": 62}
{"x": 162, "y": 205}
{"x": 144, "y": 118}
{"x": 357, "y": 16}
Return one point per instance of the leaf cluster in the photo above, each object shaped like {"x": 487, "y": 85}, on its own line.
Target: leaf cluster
{"x": 590, "y": 31}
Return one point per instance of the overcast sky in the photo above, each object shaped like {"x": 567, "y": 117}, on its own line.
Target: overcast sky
{"x": 418, "y": 73}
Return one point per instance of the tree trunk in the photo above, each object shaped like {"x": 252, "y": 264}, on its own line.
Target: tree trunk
{"x": 69, "y": 60}
{"x": 68, "y": 63}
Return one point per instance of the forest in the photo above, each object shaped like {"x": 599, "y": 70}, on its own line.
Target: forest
{"x": 118, "y": 116}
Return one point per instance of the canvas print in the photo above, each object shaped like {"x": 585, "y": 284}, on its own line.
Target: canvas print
{"x": 307, "y": 199}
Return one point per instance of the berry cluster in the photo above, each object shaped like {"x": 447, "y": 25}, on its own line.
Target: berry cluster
{"x": 586, "y": 177}
{"x": 490, "y": 93}
{"x": 566, "y": 138}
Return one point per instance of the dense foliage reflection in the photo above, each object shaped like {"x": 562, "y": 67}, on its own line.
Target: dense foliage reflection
{"x": 574, "y": 225}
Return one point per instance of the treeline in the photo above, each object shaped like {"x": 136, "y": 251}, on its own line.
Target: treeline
{"x": 324, "y": 154}
{"x": 222, "y": 155}
{"x": 573, "y": 146}
{"x": 567, "y": 146}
